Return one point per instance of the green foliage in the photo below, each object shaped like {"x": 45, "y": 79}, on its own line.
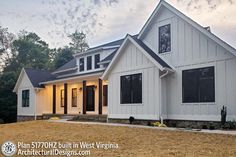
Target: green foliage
{"x": 62, "y": 56}
{"x": 28, "y": 50}
{"x": 78, "y": 43}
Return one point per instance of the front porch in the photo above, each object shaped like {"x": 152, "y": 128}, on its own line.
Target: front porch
{"x": 77, "y": 96}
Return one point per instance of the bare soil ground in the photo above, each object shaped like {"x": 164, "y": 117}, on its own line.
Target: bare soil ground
{"x": 132, "y": 141}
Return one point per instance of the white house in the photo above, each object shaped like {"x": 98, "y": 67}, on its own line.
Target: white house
{"x": 174, "y": 69}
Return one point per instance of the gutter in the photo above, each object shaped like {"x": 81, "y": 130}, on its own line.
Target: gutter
{"x": 60, "y": 71}
{"x": 96, "y": 49}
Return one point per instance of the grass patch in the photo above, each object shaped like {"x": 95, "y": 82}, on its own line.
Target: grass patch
{"x": 132, "y": 141}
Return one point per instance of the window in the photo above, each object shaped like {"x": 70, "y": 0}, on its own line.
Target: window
{"x": 25, "y": 98}
{"x": 74, "y": 97}
{"x": 81, "y": 64}
{"x": 89, "y": 62}
{"x": 164, "y": 39}
{"x": 131, "y": 89}
{"x": 198, "y": 85}
{"x": 62, "y": 98}
{"x": 97, "y": 59}
{"x": 105, "y": 95}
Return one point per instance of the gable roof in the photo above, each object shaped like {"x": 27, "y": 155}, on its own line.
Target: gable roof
{"x": 37, "y": 76}
{"x": 152, "y": 56}
{"x": 108, "y": 58}
{"x": 188, "y": 20}
{"x": 71, "y": 65}
{"x": 151, "y": 53}
{"x": 34, "y": 76}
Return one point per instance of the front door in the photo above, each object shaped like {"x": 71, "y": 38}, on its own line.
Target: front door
{"x": 90, "y": 98}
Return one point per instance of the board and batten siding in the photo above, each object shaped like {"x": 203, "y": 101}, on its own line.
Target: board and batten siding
{"x": 132, "y": 61}
{"x": 192, "y": 49}
{"x": 25, "y": 84}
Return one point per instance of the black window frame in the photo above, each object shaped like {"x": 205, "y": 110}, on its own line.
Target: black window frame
{"x": 131, "y": 92}
{"x": 81, "y": 64}
{"x": 74, "y": 97}
{"x": 97, "y": 60}
{"x": 105, "y": 95}
{"x": 198, "y": 85}
{"x": 25, "y": 98}
{"x": 62, "y": 98}
{"x": 160, "y": 39}
{"x": 89, "y": 62}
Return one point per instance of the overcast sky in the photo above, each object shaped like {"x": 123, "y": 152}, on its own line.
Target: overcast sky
{"x": 106, "y": 20}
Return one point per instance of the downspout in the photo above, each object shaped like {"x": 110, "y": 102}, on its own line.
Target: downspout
{"x": 160, "y": 106}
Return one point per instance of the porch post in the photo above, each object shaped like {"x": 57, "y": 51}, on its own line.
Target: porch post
{"x": 99, "y": 96}
{"x": 84, "y": 97}
{"x": 65, "y": 98}
{"x": 54, "y": 99}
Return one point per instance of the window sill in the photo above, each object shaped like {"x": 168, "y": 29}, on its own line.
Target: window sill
{"x": 200, "y": 103}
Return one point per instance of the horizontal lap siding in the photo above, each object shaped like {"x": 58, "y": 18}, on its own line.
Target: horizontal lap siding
{"x": 132, "y": 61}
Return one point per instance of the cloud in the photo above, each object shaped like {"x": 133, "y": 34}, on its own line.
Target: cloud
{"x": 106, "y": 20}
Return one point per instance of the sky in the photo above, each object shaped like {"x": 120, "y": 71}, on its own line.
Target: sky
{"x": 108, "y": 20}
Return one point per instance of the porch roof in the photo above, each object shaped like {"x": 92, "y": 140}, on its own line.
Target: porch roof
{"x": 78, "y": 77}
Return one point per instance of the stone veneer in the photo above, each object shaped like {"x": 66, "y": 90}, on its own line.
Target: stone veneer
{"x": 27, "y": 118}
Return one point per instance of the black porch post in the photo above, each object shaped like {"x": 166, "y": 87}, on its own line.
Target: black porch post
{"x": 65, "y": 98}
{"x": 84, "y": 97}
{"x": 99, "y": 96}
{"x": 54, "y": 99}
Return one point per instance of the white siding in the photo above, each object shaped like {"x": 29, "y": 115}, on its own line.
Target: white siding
{"x": 25, "y": 84}
{"x": 132, "y": 61}
{"x": 192, "y": 49}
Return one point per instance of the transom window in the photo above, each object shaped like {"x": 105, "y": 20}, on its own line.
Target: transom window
{"x": 131, "y": 89}
{"x": 81, "y": 64}
{"x": 198, "y": 85}
{"x": 164, "y": 39}
{"x": 74, "y": 97}
{"x": 89, "y": 62}
{"x": 25, "y": 98}
{"x": 62, "y": 98}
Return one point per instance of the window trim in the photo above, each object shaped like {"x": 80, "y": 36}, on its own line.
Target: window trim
{"x": 91, "y": 60}
{"x": 158, "y": 27}
{"x": 62, "y": 98}
{"x": 74, "y": 105}
{"x": 24, "y": 100}
{"x": 215, "y": 85}
{"x": 96, "y": 65}
{"x": 80, "y": 69}
{"x": 132, "y": 103}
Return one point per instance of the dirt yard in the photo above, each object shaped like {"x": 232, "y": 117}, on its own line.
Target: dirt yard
{"x": 131, "y": 141}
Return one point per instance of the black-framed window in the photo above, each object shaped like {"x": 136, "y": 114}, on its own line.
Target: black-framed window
{"x": 131, "y": 89}
{"x": 105, "y": 95}
{"x": 62, "y": 97}
{"x": 25, "y": 98}
{"x": 97, "y": 60}
{"x": 89, "y": 62}
{"x": 198, "y": 85}
{"x": 74, "y": 97}
{"x": 81, "y": 64}
{"x": 164, "y": 39}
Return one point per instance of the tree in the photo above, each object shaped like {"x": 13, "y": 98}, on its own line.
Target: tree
{"x": 6, "y": 39}
{"x": 31, "y": 52}
{"x": 28, "y": 50}
{"x": 78, "y": 42}
{"x": 62, "y": 56}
